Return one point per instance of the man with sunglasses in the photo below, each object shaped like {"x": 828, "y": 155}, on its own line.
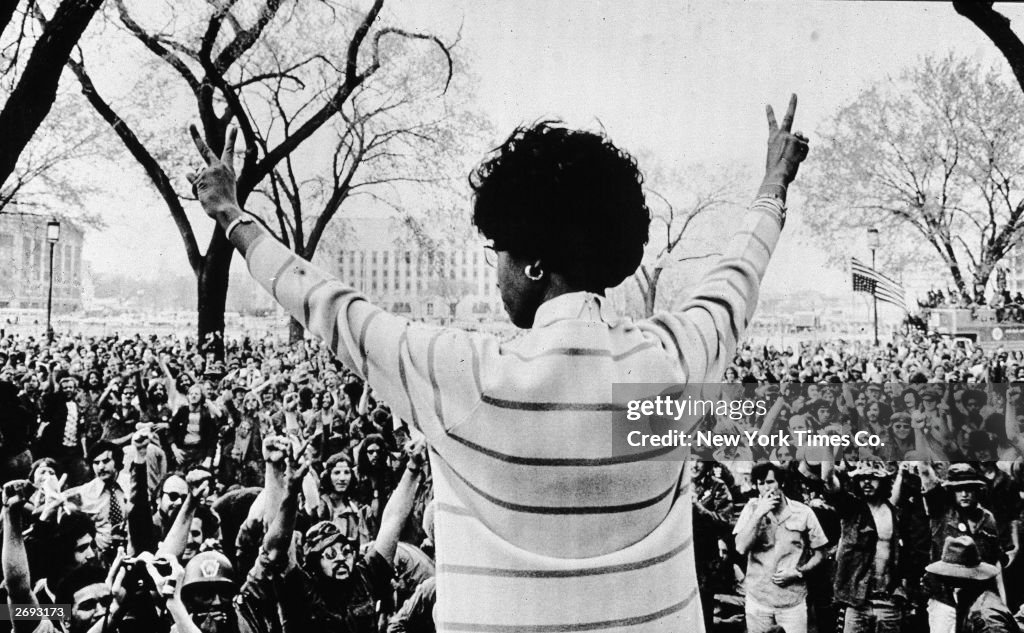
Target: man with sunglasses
{"x": 336, "y": 589}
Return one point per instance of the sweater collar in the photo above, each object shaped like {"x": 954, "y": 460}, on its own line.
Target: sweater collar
{"x": 582, "y": 306}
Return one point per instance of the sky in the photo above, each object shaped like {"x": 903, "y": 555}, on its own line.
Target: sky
{"x": 683, "y": 81}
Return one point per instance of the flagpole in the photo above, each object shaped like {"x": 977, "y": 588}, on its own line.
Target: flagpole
{"x": 873, "y": 245}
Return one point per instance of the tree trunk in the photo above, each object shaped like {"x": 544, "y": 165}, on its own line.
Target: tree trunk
{"x": 212, "y": 285}
{"x": 296, "y": 331}
{"x": 981, "y": 277}
{"x": 30, "y": 101}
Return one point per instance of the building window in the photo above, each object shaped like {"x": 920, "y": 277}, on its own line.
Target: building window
{"x": 373, "y": 258}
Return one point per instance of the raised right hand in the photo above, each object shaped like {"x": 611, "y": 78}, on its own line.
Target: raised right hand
{"x": 767, "y": 503}
{"x": 215, "y": 184}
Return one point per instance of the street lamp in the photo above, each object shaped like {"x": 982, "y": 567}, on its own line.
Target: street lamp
{"x": 52, "y": 236}
{"x": 873, "y": 244}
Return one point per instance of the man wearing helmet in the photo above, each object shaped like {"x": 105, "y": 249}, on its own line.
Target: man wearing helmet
{"x": 208, "y": 590}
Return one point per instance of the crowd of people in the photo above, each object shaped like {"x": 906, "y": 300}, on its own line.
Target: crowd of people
{"x": 1009, "y": 307}
{"x": 148, "y": 485}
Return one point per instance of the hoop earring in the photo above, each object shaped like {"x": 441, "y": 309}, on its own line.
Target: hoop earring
{"x": 533, "y": 272}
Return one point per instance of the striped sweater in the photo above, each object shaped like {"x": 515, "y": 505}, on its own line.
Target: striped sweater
{"x": 538, "y": 527}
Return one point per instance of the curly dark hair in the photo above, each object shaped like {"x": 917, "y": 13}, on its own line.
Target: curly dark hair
{"x": 567, "y": 197}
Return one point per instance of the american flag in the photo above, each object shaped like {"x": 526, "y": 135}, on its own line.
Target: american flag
{"x": 869, "y": 280}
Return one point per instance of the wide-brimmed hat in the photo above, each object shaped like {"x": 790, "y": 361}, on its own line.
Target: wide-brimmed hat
{"x": 961, "y": 559}
{"x": 963, "y": 476}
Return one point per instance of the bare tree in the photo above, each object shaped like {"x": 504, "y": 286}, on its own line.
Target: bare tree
{"x": 392, "y": 136}
{"x": 228, "y": 62}
{"x": 689, "y": 195}
{"x": 30, "y": 86}
{"x": 935, "y": 154}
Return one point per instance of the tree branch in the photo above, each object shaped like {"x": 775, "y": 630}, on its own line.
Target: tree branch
{"x": 409, "y": 34}
{"x": 244, "y": 40}
{"x": 996, "y": 27}
{"x": 154, "y": 45}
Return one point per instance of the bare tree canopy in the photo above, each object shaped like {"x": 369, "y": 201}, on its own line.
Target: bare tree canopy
{"x": 281, "y": 70}
{"x": 936, "y": 157}
{"x": 30, "y": 87}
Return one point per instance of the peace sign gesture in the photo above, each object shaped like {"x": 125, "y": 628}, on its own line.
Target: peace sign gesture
{"x": 215, "y": 185}
{"x": 786, "y": 150}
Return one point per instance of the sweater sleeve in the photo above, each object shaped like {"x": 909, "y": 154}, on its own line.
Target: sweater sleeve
{"x": 706, "y": 331}
{"x": 408, "y": 364}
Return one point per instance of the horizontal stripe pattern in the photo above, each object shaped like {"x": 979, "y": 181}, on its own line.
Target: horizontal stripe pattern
{"x": 576, "y": 626}
{"x": 538, "y": 526}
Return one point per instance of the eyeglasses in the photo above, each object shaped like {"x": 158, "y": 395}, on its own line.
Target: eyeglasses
{"x": 336, "y": 551}
{"x": 175, "y": 496}
{"x": 490, "y": 255}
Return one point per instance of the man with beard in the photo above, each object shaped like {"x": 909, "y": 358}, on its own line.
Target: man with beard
{"x": 953, "y": 511}
{"x": 195, "y": 523}
{"x": 58, "y": 547}
{"x": 335, "y": 589}
{"x": 63, "y": 427}
{"x": 103, "y": 499}
{"x": 91, "y": 599}
{"x": 867, "y": 577}
{"x": 167, "y": 500}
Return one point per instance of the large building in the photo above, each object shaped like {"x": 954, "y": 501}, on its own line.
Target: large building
{"x": 25, "y": 261}
{"x": 378, "y": 257}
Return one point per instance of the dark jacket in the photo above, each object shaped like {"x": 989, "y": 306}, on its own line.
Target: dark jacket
{"x": 945, "y": 521}
{"x": 987, "y": 613}
{"x": 855, "y": 554}
{"x": 55, "y": 412}
{"x": 208, "y": 430}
